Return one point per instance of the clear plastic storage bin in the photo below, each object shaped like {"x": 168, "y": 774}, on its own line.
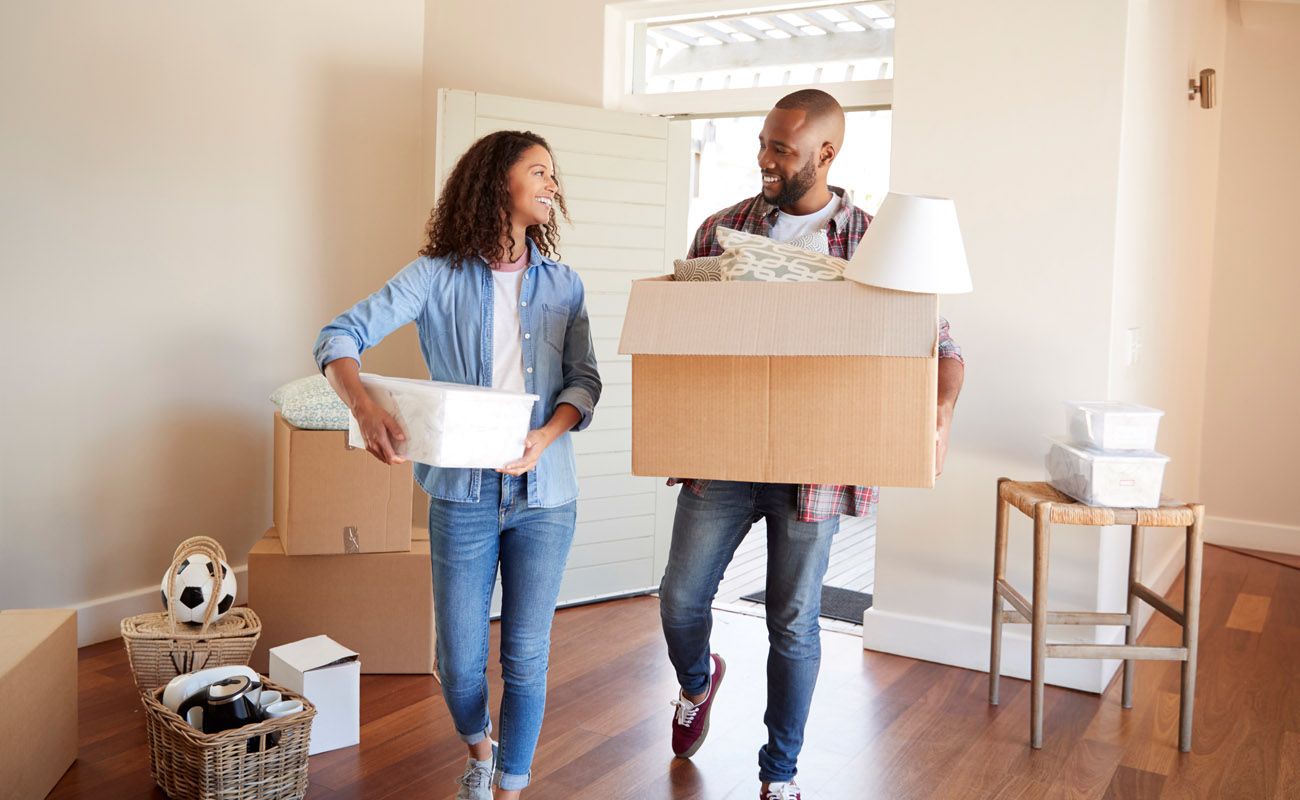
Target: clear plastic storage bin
{"x": 1118, "y": 480}
{"x": 1113, "y": 426}
{"x": 451, "y": 424}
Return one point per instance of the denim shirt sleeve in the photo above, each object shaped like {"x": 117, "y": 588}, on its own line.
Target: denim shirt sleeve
{"x": 366, "y": 324}
{"x": 581, "y": 380}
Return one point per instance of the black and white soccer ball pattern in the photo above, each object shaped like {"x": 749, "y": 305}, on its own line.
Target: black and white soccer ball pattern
{"x": 195, "y": 579}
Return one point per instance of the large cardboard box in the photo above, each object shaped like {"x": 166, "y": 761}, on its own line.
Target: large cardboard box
{"x": 38, "y": 713}
{"x": 817, "y": 382}
{"x": 379, "y": 604}
{"x": 329, "y": 675}
{"x": 331, "y": 498}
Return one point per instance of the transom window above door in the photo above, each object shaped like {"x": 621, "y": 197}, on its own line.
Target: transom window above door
{"x": 710, "y": 57}
{"x": 819, "y": 44}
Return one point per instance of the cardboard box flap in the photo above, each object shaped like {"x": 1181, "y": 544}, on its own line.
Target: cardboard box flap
{"x": 314, "y": 653}
{"x": 23, "y": 629}
{"x": 753, "y": 318}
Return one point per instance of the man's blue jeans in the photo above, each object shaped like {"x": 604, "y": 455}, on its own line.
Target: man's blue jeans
{"x": 706, "y": 532}
{"x": 531, "y": 545}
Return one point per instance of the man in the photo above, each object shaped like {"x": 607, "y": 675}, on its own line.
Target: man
{"x": 800, "y": 139}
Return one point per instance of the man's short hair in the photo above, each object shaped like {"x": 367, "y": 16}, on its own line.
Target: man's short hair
{"x": 813, "y": 102}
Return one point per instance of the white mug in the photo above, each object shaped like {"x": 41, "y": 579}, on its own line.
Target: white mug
{"x": 284, "y": 708}
{"x": 268, "y": 697}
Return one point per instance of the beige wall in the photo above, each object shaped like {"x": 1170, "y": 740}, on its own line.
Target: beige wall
{"x": 190, "y": 191}
{"x": 543, "y": 51}
{"x": 1251, "y": 439}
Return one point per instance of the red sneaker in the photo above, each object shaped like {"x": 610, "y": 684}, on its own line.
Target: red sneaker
{"x": 780, "y": 791}
{"x": 691, "y": 722}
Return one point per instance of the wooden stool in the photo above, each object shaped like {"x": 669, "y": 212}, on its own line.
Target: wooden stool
{"x": 1046, "y": 506}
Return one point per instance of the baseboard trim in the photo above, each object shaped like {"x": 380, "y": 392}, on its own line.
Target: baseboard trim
{"x": 967, "y": 646}
{"x": 101, "y": 619}
{"x": 1253, "y": 535}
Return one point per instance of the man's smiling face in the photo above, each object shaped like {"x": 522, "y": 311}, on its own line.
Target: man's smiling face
{"x": 788, "y": 147}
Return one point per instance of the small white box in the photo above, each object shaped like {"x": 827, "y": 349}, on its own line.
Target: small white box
{"x": 451, "y": 424}
{"x": 1113, "y": 426}
{"x": 329, "y": 675}
{"x": 1117, "y": 480}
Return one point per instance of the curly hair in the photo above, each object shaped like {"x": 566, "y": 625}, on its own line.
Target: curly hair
{"x": 472, "y": 214}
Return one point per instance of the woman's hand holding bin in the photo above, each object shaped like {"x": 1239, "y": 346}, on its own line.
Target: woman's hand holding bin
{"x": 378, "y": 427}
{"x": 562, "y": 421}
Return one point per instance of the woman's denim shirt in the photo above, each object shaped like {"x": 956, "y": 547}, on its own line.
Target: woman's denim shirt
{"x": 452, "y": 310}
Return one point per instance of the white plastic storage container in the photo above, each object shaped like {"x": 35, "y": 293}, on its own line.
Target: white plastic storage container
{"x": 1113, "y": 426}
{"x": 1118, "y": 480}
{"x": 451, "y": 424}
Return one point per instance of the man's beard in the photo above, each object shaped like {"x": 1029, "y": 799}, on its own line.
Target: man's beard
{"x": 796, "y": 186}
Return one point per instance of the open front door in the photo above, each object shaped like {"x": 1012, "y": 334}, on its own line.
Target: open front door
{"x": 625, "y": 182}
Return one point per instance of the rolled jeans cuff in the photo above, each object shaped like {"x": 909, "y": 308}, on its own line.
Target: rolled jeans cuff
{"x": 509, "y": 782}
{"x": 475, "y": 738}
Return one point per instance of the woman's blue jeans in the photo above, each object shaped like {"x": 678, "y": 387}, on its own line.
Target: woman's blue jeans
{"x": 706, "y": 532}
{"x": 531, "y": 545}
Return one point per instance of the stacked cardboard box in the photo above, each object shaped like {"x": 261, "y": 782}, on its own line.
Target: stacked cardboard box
{"x": 343, "y": 558}
{"x": 38, "y": 718}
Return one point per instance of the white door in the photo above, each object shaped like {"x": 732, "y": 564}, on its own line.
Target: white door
{"x": 624, "y": 178}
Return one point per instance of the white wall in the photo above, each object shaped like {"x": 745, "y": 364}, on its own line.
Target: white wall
{"x": 190, "y": 191}
{"x": 996, "y": 113}
{"x": 1249, "y": 472}
{"x": 1065, "y": 139}
{"x": 1169, "y": 170}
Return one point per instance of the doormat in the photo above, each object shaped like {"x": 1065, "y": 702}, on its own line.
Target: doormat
{"x": 837, "y": 603}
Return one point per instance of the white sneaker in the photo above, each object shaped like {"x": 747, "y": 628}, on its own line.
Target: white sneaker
{"x": 476, "y": 781}
{"x": 780, "y": 791}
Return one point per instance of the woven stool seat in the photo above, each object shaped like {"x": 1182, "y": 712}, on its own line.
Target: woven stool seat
{"x": 1068, "y": 511}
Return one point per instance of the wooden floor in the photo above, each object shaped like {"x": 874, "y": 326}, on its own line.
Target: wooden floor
{"x": 882, "y": 726}
{"x": 852, "y": 566}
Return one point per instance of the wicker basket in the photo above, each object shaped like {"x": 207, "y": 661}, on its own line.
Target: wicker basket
{"x": 188, "y": 764}
{"x": 160, "y": 648}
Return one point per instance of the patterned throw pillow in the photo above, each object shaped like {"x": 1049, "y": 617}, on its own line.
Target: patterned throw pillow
{"x": 758, "y": 258}
{"x": 707, "y": 268}
{"x": 815, "y": 241}
{"x": 718, "y": 268}
{"x": 311, "y": 403}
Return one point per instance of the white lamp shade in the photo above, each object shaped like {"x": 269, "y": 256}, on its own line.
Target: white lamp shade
{"x": 913, "y": 245}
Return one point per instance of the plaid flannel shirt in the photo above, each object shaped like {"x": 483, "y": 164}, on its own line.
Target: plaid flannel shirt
{"x": 844, "y": 230}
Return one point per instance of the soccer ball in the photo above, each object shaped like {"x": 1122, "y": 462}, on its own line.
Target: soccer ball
{"x": 195, "y": 589}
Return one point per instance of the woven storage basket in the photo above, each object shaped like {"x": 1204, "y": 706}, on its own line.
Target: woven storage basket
{"x": 160, "y": 648}
{"x": 188, "y": 764}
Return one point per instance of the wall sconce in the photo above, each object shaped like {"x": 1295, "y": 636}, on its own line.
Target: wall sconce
{"x": 1204, "y": 87}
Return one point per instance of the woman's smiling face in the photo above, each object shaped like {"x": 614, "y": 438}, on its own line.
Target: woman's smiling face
{"x": 532, "y": 187}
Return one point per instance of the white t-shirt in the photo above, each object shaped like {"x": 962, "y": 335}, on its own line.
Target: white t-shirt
{"x": 507, "y": 335}
{"x": 788, "y": 226}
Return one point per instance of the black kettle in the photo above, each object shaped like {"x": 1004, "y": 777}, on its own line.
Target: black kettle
{"x": 223, "y": 705}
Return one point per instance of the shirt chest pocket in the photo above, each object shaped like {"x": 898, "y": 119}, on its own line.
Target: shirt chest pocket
{"x": 555, "y": 322}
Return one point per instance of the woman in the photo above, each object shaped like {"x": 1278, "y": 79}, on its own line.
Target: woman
{"x": 492, "y": 308}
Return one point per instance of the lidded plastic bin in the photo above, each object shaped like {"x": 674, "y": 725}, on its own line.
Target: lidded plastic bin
{"x": 1096, "y": 478}
{"x": 1113, "y": 426}
{"x": 451, "y": 424}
